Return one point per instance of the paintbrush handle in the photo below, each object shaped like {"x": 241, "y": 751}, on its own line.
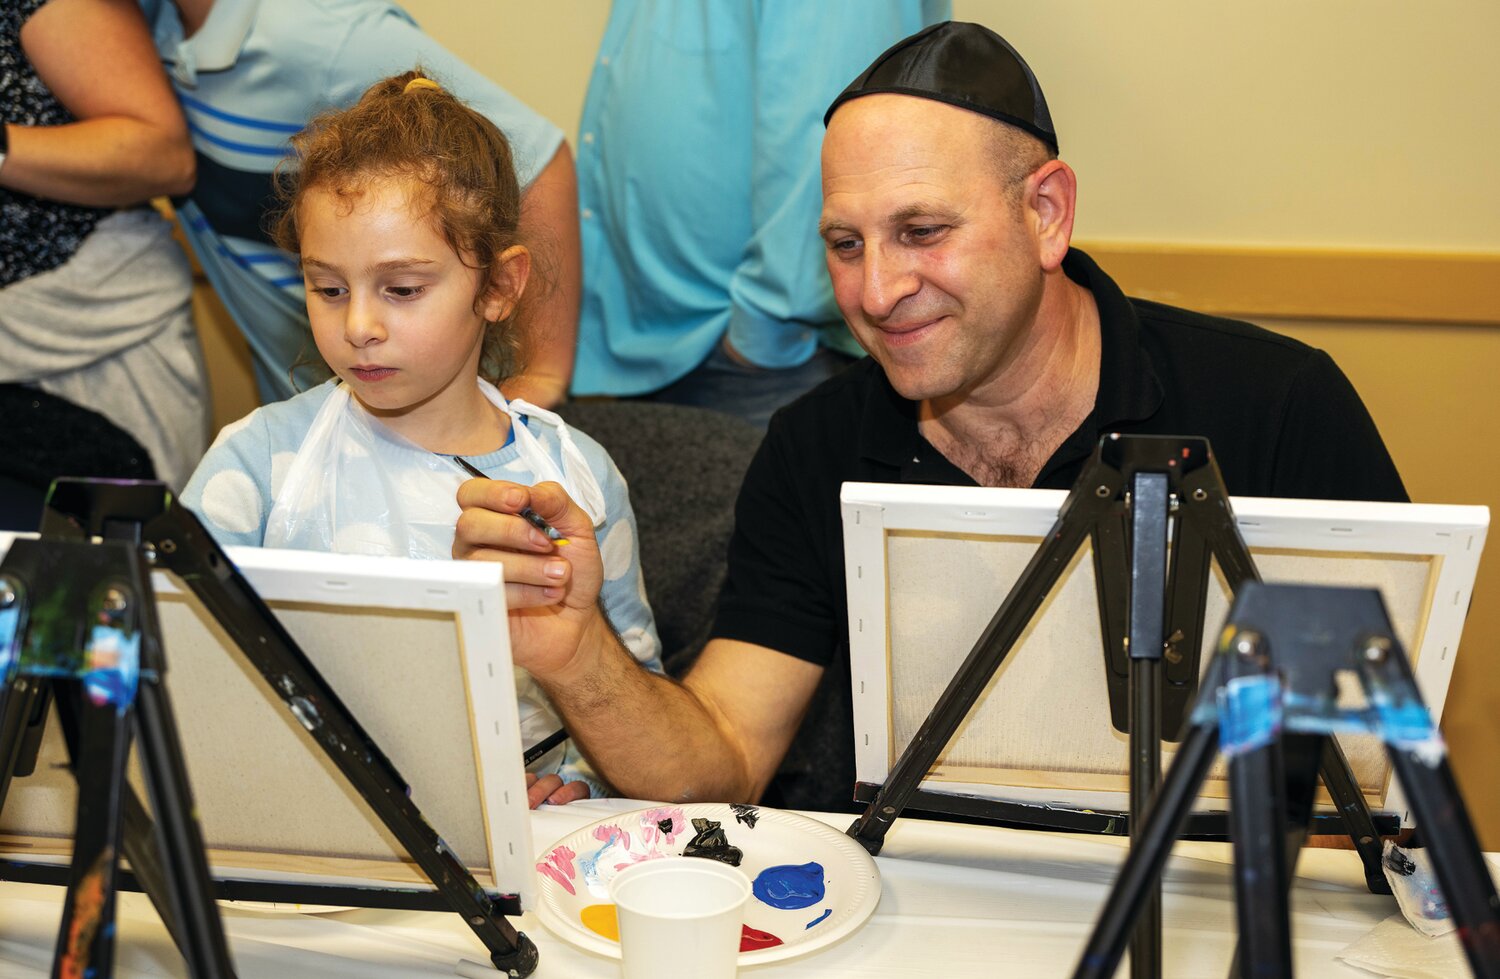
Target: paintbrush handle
{"x": 545, "y": 745}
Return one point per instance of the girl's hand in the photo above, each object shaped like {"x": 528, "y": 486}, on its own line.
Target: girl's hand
{"x": 553, "y": 790}
{"x": 552, "y": 590}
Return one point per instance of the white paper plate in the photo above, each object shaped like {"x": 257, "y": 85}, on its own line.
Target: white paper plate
{"x": 577, "y": 869}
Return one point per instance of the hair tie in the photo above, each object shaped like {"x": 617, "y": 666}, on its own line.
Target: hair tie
{"x": 420, "y": 82}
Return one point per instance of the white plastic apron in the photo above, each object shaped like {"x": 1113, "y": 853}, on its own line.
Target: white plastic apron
{"x": 357, "y": 487}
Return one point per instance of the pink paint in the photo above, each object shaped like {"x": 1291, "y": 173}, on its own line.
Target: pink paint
{"x": 753, "y": 938}
{"x": 652, "y": 828}
{"x": 605, "y": 833}
{"x": 558, "y": 866}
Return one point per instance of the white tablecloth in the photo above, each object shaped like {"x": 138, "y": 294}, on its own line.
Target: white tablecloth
{"x": 956, "y": 901}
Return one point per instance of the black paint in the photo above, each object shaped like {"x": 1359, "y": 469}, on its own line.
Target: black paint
{"x": 710, "y": 843}
{"x": 1399, "y": 863}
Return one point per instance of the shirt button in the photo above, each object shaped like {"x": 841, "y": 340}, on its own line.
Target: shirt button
{"x": 587, "y": 213}
{"x": 604, "y": 60}
{"x": 588, "y": 137}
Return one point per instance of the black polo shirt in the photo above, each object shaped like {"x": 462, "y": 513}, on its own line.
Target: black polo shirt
{"x": 1281, "y": 417}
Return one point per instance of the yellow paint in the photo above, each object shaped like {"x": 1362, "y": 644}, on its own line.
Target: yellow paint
{"x": 600, "y": 919}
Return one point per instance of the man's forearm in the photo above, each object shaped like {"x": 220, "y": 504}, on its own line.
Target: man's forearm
{"x": 646, "y": 734}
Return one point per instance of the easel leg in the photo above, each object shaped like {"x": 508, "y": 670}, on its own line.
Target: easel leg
{"x": 23, "y": 706}
{"x": 1350, "y": 802}
{"x": 1149, "y": 522}
{"x": 1145, "y": 776}
{"x": 1148, "y": 854}
{"x": 1257, "y": 813}
{"x": 137, "y": 842}
{"x": 179, "y": 841}
{"x": 86, "y": 936}
{"x": 1460, "y": 866}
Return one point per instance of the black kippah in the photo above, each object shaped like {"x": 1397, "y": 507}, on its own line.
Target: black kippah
{"x": 965, "y": 65}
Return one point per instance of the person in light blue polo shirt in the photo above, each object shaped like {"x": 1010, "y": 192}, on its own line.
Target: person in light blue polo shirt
{"x": 699, "y": 196}
{"x": 250, "y": 73}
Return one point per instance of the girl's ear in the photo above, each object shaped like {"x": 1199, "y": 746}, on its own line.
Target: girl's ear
{"x": 507, "y": 282}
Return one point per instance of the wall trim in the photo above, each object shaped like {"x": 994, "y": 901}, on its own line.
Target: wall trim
{"x": 1292, "y": 283}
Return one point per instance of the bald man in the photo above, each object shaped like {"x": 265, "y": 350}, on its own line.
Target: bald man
{"x": 999, "y": 355}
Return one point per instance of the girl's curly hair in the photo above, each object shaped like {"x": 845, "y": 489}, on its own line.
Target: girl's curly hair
{"x": 424, "y": 134}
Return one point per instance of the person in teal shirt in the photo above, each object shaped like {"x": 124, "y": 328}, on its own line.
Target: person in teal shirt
{"x": 250, "y": 74}
{"x": 699, "y": 196}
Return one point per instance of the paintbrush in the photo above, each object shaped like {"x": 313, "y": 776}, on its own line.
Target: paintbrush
{"x": 545, "y": 745}
{"x": 527, "y": 513}
{"x": 532, "y": 517}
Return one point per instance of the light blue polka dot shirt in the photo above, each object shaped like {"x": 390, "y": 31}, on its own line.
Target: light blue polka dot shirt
{"x": 236, "y": 485}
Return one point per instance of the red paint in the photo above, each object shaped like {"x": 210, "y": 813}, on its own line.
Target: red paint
{"x": 753, "y": 938}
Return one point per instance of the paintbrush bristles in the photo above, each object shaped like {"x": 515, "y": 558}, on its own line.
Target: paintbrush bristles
{"x": 527, "y": 513}
{"x": 535, "y": 519}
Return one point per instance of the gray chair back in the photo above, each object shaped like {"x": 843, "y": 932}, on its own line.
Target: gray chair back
{"x": 684, "y": 466}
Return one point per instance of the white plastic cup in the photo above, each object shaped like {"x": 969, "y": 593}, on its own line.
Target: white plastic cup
{"x": 680, "y": 918}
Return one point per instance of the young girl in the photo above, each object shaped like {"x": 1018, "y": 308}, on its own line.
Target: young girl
{"x": 403, "y": 212}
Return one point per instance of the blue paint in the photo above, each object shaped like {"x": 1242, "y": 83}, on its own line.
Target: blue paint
{"x": 826, "y": 913}
{"x": 789, "y": 887}
{"x": 589, "y": 866}
{"x": 1250, "y": 713}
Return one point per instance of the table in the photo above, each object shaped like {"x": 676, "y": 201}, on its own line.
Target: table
{"x": 956, "y": 901}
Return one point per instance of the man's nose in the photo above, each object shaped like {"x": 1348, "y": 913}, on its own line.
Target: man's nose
{"x": 362, "y": 326}
{"x": 888, "y": 279}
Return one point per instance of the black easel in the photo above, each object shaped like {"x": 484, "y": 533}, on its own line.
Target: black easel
{"x": 78, "y": 617}
{"x": 1275, "y": 672}
{"x": 1136, "y": 492}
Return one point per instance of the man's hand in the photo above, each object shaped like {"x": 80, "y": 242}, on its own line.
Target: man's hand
{"x": 553, "y": 790}
{"x": 552, "y": 590}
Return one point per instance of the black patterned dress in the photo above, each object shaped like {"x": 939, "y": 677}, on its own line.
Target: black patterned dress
{"x": 36, "y": 234}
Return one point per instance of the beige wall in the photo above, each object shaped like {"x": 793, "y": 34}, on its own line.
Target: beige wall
{"x": 1343, "y": 123}
{"x": 1339, "y": 124}
{"x": 1431, "y": 391}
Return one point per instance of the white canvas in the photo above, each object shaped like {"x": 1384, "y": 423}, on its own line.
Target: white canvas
{"x": 927, "y": 567}
{"x": 417, "y": 650}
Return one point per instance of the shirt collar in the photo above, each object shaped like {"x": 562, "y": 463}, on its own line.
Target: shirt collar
{"x": 1129, "y": 389}
{"x": 888, "y": 430}
{"x": 215, "y": 47}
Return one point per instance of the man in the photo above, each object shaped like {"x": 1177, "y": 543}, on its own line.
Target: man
{"x": 250, "y": 74}
{"x": 998, "y": 356}
{"x": 698, "y": 189}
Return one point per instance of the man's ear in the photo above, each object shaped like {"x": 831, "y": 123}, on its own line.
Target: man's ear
{"x": 507, "y": 282}
{"x": 1052, "y": 194}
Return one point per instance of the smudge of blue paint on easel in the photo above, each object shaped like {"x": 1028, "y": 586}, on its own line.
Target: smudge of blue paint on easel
{"x": 826, "y": 913}
{"x": 789, "y": 887}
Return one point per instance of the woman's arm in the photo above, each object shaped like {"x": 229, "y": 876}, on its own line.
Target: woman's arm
{"x": 130, "y": 142}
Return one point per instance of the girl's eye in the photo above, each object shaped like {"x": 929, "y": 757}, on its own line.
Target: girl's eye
{"x": 405, "y": 292}
{"x": 329, "y": 292}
